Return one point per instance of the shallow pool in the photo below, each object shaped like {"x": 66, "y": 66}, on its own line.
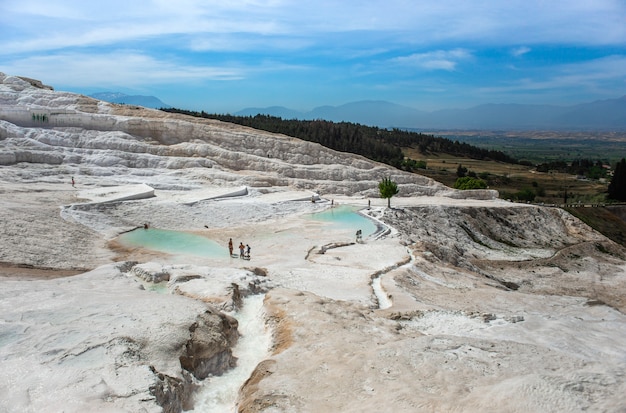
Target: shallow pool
{"x": 173, "y": 242}
{"x": 342, "y": 217}
{"x": 348, "y": 218}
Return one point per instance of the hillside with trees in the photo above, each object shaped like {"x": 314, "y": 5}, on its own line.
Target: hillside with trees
{"x": 382, "y": 145}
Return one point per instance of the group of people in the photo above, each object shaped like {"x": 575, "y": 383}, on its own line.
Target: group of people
{"x": 244, "y": 250}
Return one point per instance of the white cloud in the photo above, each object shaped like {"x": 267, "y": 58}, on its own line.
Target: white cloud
{"x": 83, "y": 70}
{"x": 435, "y": 60}
{"x": 239, "y": 43}
{"x": 37, "y": 25}
{"x": 591, "y": 76}
{"x": 155, "y": 42}
{"x": 119, "y": 68}
{"x": 520, "y": 51}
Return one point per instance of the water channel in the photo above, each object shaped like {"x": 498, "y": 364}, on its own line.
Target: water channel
{"x": 219, "y": 393}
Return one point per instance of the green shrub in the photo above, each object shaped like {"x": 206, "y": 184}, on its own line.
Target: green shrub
{"x": 525, "y": 194}
{"x": 467, "y": 182}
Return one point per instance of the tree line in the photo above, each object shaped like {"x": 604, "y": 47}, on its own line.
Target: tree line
{"x": 381, "y": 145}
{"x": 584, "y": 167}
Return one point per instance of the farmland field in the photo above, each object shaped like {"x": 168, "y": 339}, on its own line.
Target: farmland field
{"x": 535, "y": 148}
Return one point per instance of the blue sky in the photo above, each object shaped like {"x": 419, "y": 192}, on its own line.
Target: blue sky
{"x": 222, "y": 56}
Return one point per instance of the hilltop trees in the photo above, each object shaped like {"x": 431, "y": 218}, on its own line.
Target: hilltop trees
{"x": 387, "y": 188}
{"x": 584, "y": 167}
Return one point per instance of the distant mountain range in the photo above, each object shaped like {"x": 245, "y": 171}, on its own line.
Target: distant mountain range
{"x": 609, "y": 114}
{"x": 137, "y": 100}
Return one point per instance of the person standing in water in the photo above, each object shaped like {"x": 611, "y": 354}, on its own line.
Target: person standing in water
{"x": 241, "y": 249}
{"x": 230, "y": 246}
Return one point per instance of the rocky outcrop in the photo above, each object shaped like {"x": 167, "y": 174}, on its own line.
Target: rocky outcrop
{"x": 208, "y": 351}
{"x": 150, "y": 272}
{"x": 172, "y": 394}
{"x": 528, "y": 248}
{"x": 36, "y": 83}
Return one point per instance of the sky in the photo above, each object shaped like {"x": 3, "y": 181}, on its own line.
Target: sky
{"x": 222, "y": 56}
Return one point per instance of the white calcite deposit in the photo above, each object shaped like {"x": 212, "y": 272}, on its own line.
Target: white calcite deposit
{"x": 461, "y": 303}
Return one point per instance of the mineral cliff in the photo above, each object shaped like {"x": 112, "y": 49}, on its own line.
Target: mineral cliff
{"x": 494, "y": 306}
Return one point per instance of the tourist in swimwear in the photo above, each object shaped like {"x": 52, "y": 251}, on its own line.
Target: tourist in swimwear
{"x": 230, "y": 246}
{"x": 241, "y": 249}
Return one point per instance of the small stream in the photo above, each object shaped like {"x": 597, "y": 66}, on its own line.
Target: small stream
{"x": 219, "y": 393}
{"x": 384, "y": 301}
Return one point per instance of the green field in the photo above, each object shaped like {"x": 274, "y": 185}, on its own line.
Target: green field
{"x": 510, "y": 178}
{"x": 535, "y": 148}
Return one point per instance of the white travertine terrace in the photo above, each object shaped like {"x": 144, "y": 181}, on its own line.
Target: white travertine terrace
{"x": 492, "y": 306}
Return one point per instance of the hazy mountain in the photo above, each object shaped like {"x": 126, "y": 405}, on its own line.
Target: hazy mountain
{"x": 280, "y": 111}
{"x": 137, "y": 100}
{"x": 602, "y": 114}
{"x": 368, "y": 112}
{"x": 598, "y": 114}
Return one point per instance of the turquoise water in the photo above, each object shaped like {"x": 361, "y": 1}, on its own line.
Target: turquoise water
{"x": 173, "y": 242}
{"x": 184, "y": 243}
{"x": 346, "y": 217}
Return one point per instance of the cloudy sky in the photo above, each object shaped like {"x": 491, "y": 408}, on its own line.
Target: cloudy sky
{"x": 225, "y": 55}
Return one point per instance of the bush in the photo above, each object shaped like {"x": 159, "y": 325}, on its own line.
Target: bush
{"x": 525, "y": 194}
{"x": 411, "y": 165}
{"x": 467, "y": 182}
{"x": 461, "y": 171}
